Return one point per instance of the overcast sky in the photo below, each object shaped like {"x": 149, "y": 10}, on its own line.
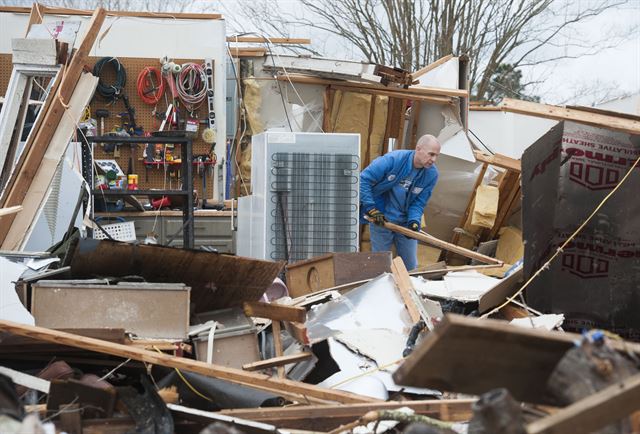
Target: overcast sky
{"x": 584, "y": 80}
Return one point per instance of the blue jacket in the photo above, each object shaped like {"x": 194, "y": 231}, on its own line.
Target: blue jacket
{"x": 384, "y": 173}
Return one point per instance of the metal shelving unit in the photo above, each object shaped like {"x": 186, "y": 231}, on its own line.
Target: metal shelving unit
{"x": 187, "y": 178}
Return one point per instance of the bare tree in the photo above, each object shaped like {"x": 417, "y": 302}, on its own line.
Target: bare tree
{"x": 411, "y": 34}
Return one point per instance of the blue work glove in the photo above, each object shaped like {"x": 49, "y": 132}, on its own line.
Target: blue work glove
{"x": 377, "y": 216}
{"x": 414, "y": 226}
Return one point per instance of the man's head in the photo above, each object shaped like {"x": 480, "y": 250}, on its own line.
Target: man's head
{"x": 427, "y": 151}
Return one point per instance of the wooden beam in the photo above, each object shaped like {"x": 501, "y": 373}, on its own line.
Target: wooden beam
{"x": 273, "y": 311}
{"x": 499, "y": 160}
{"x": 51, "y": 120}
{"x": 35, "y": 17}
{"x": 415, "y": 120}
{"x": 10, "y": 210}
{"x": 616, "y": 123}
{"x": 262, "y": 39}
{"x": 433, "y": 241}
{"x": 399, "y": 92}
{"x": 282, "y": 387}
{"x": 431, "y": 66}
{"x": 593, "y": 412}
{"x": 327, "y": 417}
{"x": 247, "y": 51}
{"x": 84, "y": 12}
{"x": 26, "y": 380}
{"x": 276, "y": 361}
{"x": 393, "y": 94}
{"x": 277, "y": 345}
{"x": 405, "y": 287}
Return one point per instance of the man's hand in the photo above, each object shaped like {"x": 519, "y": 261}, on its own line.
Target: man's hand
{"x": 414, "y": 226}
{"x": 377, "y": 216}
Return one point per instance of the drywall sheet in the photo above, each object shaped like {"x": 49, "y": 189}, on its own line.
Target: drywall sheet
{"x": 595, "y": 281}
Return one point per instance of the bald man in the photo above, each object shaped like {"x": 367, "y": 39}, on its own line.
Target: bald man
{"x": 396, "y": 188}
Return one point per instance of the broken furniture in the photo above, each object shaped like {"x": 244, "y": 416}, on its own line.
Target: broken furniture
{"x": 225, "y": 337}
{"x": 186, "y": 192}
{"x": 334, "y": 269}
{"x": 276, "y": 313}
{"x": 148, "y": 310}
{"x": 217, "y": 281}
{"x": 459, "y": 354}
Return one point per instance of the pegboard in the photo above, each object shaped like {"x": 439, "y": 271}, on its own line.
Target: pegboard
{"x": 149, "y": 177}
{"x": 6, "y": 68}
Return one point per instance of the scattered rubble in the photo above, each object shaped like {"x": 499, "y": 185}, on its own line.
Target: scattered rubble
{"x": 109, "y": 325}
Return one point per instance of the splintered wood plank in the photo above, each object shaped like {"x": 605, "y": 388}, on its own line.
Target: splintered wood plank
{"x": 433, "y": 241}
{"x": 35, "y": 16}
{"x": 276, "y": 361}
{"x": 262, "y": 39}
{"x": 617, "y": 123}
{"x": 217, "y": 281}
{"x": 328, "y": 417}
{"x": 593, "y": 412}
{"x": 51, "y": 120}
{"x": 281, "y": 387}
{"x": 273, "y": 311}
{"x": 469, "y": 355}
{"x": 431, "y": 66}
{"x": 405, "y": 287}
{"x": 499, "y": 160}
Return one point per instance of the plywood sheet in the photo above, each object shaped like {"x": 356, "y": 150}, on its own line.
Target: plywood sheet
{"x": 217, "y": 280}
{"x": 146, "y": 310}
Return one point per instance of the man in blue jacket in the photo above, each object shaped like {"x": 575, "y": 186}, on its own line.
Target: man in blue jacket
{"x": 396, "y": 187}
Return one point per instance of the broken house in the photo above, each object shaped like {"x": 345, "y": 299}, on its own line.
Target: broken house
{"x": 181, "y": 252}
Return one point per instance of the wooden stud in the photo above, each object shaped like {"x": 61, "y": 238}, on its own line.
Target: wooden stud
{"x": 276, "y": 361}
{"x": 83, "y": 12}
{"x": 401, "y": 124}
{"x": 405, "y": 287}
{"x": 444, "y": 409}
{"x": 456, "y": 236}
{"x": 499, "y": 160}
{"x": 372, "y": 112}
{"x": 273, "y": 311}
{"x": 51, "y": 120}
{"x": 398, "y": 92}
{"x": 277, "y": 345}
{"x": 391, "y": 93}
{"x": 298, "y": 331}
{"x": 35, "y": 17}
{"x": 260, "y": 39}
{"x": 415, "y": 118}
{"x": 593, "y": 412}
{"x": 433, "y": 241}
{"x": 282, "y": 387}
{"x": 616, "y": 123}
{"x": 431, "y": 66}
{"x": 10, "y": 210}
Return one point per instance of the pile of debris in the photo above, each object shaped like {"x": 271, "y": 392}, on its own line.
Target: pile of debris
{"x": 99, "y": 335}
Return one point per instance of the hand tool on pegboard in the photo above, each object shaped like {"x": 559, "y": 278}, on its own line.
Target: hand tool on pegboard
{"x": 102, "y": 114}
{"x": 209, "y": 134}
